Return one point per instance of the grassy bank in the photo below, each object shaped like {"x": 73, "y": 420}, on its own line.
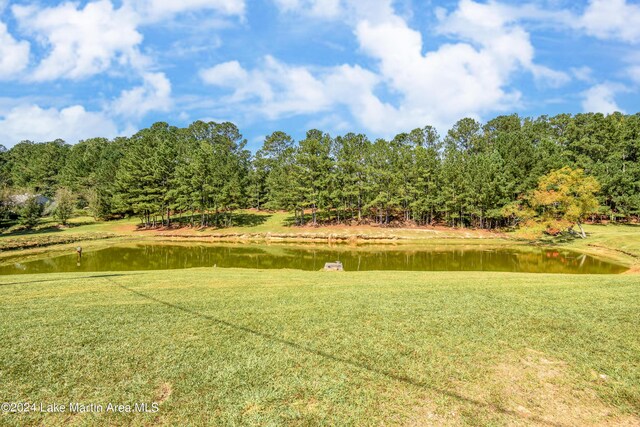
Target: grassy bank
{"x": 250, "y": 347}
{"x": 252, "y": 225}
{"x": 621, "y": 242}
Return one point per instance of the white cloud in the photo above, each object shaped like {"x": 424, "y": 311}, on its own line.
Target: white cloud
{"x": 347, "y": 10}
{"x": 14, "y": 55}
{"x": 82, "y": 41}
{"x": 153, "y": 95}
{"x": 351, "y": 10}
{"x": 468, "y": 77}
{"x": 354, "y": 87}
{"x": 277, "y": 89}
{"x": 319, "y": 8}
{"x": 612, "y": 19}
{"x": 155, "y": 10}
{"x": 226, "y": 74}
{"x": 39, "y": 124}
{"x": 601, "y": 98}
{"x": 493, "y": 28}
{"x": 548, "y": 76}
{"x": 607, "y": 19}
{"x": 584, "y": 74}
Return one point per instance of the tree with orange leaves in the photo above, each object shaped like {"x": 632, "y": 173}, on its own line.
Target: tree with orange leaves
{"x": 567, "y": 194}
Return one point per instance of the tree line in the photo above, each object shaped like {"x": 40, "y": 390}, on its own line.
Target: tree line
{"x": 477, "y": 175}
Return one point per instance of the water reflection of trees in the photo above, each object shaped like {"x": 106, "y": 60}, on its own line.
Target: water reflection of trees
{"x": 173, "y": 256}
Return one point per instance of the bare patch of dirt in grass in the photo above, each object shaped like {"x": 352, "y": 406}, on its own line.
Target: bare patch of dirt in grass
{"x": 251, "y": 408}
{"x": 633, "y": 270}
{"x": 538, "y": 390}
{"x": 163, "y": 393}
{"x": 529, "y": 389}
{"x": 124, "y": 228}
{"x": 307, "y": 405}
{"x": 429, "y": 414}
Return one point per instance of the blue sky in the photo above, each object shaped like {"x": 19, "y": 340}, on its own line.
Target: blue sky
{"x": 75, "y": 70}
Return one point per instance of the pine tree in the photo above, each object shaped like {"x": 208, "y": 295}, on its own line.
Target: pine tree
{"x": 315, "y": 165}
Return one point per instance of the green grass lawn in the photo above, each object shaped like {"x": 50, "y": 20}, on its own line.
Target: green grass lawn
{"x": 250, "y": 347}
{"x": 624, "y": 239}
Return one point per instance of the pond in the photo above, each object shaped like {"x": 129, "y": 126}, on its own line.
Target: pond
{"x": 163, "y": 256}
